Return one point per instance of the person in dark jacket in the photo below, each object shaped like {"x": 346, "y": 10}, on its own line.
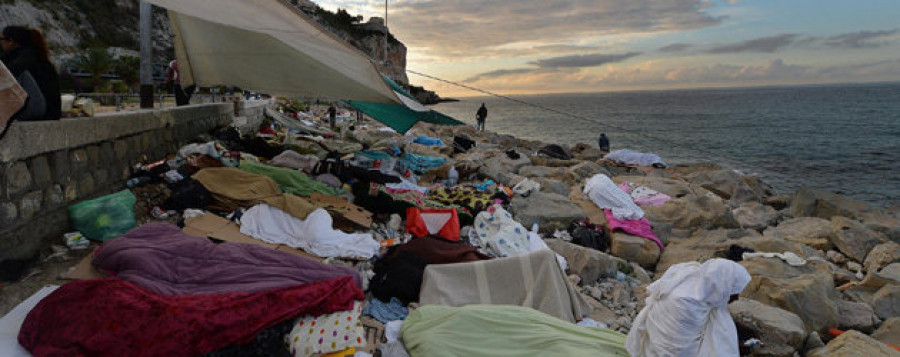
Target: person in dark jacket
{"x": 25, "y": 49}
{"x": 603, "y": 142}
{"x": 332, "y": 113}
{"x": 480, "y": 117}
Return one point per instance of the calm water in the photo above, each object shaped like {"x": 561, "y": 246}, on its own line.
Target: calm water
{"x": 845, "y": 138}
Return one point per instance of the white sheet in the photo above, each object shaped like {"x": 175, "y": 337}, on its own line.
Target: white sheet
{"x": 314, "y": 235}
{"x": 606, "y": 194}
{"x": 687, "y": 312}
{"x": 12, "y": 323}
{"x": 631, "y": 157}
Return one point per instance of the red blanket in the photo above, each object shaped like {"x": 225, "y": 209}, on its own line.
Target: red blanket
{"x": 112, "y": 317}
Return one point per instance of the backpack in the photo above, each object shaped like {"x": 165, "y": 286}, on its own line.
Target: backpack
{"x": 587, "y": 234}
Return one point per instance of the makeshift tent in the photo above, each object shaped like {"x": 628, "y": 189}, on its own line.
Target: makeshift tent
{"x": 268, "y": 46}
{"x": 401, "y": 117}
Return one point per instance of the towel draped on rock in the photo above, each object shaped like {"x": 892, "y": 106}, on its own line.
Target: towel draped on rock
{"x": 161, "y": 258}
{"x": 112, "y": 317}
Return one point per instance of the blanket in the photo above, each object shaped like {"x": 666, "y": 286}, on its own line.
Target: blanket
{"x": 112, "y": 317}
{"x": 232, "y": 188}
{"x": 631, "y": 157}
{"x": 291, "y": 181}
{"x": 605, "y": 194}
{"x": 640, "y": 227}
{"x": 161, "y": 258}
{"x": 492, "y": 330}
{"x": 534, "y": 280}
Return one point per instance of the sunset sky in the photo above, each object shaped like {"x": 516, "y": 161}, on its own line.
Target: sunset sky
{"x": 520, "y": 47}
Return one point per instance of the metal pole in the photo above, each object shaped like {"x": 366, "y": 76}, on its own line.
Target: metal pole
{"x": 146, "y": 28}
{"x": 384, "y": 55}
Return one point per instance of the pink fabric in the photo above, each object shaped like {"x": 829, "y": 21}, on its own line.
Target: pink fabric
{"x": 654, "y": 198}
{"x": 640, "y": 228}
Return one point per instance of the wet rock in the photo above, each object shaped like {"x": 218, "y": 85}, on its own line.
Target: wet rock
{"x": 807, "y": 290}
{"x": 636, "y": 249}
{"x": 853, "y": 239}
{"x": 781, "y": 332}
{"x": 856, "y": 316}
{"x": 550, "y": 210}
{"x": 812, "y": 231}
{"x": 889, "y": 332}
{"x": 754, "y": 215}
{"x": 854, "y": 343}
{"x": 588, "y": 263}
{"x": 886, "y": 301}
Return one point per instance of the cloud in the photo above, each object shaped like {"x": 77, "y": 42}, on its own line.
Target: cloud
{"x": 504, "y": 73}
{"x": 764, "y": 44}
{"x": 590, "y": 60}
{"x": 452, "y": 28}
{"x": 861, "y": 39}
{"x": 675, "y": 47}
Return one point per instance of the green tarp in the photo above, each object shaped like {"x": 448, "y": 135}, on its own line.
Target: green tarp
{"x": 401, "y": 117}
{"x": 290, "y": 181}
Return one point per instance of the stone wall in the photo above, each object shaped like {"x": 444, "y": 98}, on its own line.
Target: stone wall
{"x": 250, "y": 114}
{"x": 47, "y": 166}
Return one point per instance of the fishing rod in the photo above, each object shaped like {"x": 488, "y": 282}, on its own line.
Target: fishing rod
{"x": 580, "y": 117}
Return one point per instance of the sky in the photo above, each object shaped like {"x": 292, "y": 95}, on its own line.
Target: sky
{"x": 553, "y": 46}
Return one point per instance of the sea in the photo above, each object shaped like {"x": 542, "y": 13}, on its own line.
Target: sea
{"x": 840, "y": 138}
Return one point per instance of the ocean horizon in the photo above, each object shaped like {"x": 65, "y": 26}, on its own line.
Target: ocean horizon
{"x": 842, "y": 138}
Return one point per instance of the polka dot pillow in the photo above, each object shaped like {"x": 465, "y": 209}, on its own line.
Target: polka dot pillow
{"x": 326, "y": 333}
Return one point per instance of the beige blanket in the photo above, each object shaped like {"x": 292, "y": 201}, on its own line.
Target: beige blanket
{"x": 534, "y": 280}
{"x": 232, "y": 188}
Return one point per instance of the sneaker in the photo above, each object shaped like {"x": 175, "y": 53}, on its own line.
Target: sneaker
{"x": 158, "y": 213}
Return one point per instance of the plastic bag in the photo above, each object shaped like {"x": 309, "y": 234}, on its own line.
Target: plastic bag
{"x": 106, "y": 217}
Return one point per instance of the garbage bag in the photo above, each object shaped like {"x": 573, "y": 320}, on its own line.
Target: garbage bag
{"x": 106, "y": 217}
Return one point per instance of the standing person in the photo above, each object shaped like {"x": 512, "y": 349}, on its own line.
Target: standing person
{"x": 603, "y": 142}
{"x": 25, "y": 50}
{"x": 173, "y": 78}
{"x": 480, "y": 117}
{"x": 332, "y": 113}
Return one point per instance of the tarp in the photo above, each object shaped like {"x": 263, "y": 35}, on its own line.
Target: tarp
{"x": 401, "y": 117}
{"x": 268, "y": 46}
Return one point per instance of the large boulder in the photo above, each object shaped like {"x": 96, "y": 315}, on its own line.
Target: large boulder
{"x": 781, "y": 332}
{"x": 615, "y": 169}
{"x": 550, "y": 210}
{"x": 731, "y": 185}
{"x": 856, "y": 316}
{"x": 854, "y": 344}
{"x": 701, "y": 246}
{"x": 582, "y": 171}
{"x": 541, "y": 171}
{"x": 673, "y": 188}
{"x": 586, "y": 152}
{"x": 553, "y": 186}
{"x": 806, "y": 290}
{"x": 812, "y": 231}
{"x": 889, "y": 331}
{"x": 853, "y": 238}
{"x": 886, "y": 301}
{"x": 697, "y": 209}
{"x": 636, "y": 249}
{"x": 754, "y": 215}
{"x": 589, "y": 264}
{"x": 818, "y": 203}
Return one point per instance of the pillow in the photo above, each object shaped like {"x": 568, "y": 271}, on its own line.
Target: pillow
{"x": 326, "y": 333}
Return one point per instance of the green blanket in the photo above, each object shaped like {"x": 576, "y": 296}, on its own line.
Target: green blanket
{"x": 290, "y": 181}
{"x": 503, "y": 330}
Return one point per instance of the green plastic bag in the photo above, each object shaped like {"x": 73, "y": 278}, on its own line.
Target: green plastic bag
{"x": 106, "y": 217}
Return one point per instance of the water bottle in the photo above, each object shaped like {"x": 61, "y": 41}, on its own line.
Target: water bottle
{"x": 137, "y": 181}
{"x": 534, "y": 227}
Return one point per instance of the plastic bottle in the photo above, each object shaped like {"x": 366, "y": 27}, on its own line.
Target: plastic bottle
{"x": 534, "y": 227}
{"x": 137, "y": 181}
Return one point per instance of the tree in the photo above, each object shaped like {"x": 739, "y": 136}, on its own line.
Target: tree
{"x": 96, "y": 61}
{"x": 128, "y": 68}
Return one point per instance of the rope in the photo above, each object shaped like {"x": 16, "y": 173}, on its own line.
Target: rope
{"x": 580, "y": 117}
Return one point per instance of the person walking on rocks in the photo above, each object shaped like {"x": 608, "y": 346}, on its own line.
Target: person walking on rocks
{"x": 332, "y": 113}
{"x": 480, "y": 117}
{"x": 603, "y": 142}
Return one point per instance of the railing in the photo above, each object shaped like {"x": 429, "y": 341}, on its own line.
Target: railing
{"x": 160, "y": 99}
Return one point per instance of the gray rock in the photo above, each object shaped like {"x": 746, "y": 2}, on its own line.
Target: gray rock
{"x": 781, "y": 332}
{"x": 835, "y": 257}
{"x": 754, "y": 215}
{"x": 889, "y": 331}
{"x": 812, "y": 231}
{"x": 818, "y": 203}
{"x": 633, "y": 248}
{"x": 807, "y": 290}
{"x": 886, "y": 301}
{"x": 582, "y": 171}
{"x": 588, "y": 263}
{"x": 854, "y": 239}
{"x": 882, "y": 255}
{"x": 550, "y": 210}
{"x": 540, "y": 171}
{"x": 731, "y": 185}
{"x": 18, "y": 178}
{"x": 698, "y": 209}
{"x": 553, "y": 186}
{"x": 854, "y": 344}
{"x": 856, "y": 316}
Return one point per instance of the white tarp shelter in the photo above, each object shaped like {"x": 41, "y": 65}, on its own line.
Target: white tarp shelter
{"x": 268, "y": 46}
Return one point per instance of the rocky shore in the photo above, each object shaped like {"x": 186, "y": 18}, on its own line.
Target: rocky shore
{"x": 835, "y": 262}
